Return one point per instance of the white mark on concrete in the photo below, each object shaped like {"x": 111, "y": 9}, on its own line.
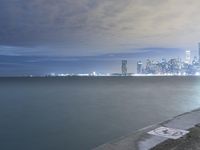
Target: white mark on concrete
{"x": 168, "y": 132}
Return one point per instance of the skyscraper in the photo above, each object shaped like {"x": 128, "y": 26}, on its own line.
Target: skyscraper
{"x": 124, "y": 67}
{"x": 187, "y": 56}
{"x": 139, "y": 67}
{"x": 199, "y": 52}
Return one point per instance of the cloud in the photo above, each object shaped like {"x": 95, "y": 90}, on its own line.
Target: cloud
{"x": 93, "y": 27}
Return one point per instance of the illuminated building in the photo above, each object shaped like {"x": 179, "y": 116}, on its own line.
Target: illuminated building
{"x": 187, "y": 57}
{"x": 199, "y": 52}
{"x": 124, "y": 67}
{"x": 139, "y": 67}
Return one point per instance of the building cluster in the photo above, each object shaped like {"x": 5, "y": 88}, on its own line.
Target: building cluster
{"x": 173, "y": 66}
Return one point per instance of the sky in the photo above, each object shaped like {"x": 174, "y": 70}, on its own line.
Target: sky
{"x": 43, "y": 36}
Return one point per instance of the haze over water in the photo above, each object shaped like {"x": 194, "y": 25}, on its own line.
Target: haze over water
{"x": 80, "y": 113}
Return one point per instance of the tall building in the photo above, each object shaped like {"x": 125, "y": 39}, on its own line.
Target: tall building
{"x": 139, "y": 67}
{"x": 199, "y": 52}
{"x": 187, "y": 57}
{"x": 124, "y": 67}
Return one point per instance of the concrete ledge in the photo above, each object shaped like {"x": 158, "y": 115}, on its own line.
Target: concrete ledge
{"x": 141, "y": 140}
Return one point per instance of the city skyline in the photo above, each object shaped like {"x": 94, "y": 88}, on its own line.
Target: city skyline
{"x": 43, "y": 36}
{"x": 40, "y": 66}
{"x": 173, "y": 66}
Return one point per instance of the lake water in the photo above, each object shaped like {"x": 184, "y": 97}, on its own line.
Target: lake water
{"x": 80, "y": 113}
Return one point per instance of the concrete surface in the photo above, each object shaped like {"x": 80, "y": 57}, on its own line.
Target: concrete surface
{"x": 141, "y": 140}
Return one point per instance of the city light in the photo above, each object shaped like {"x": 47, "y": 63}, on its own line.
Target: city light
{"x": 174, "y": 66}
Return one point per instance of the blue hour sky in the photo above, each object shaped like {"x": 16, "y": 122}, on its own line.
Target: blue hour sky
{"x": 79, "y": 36}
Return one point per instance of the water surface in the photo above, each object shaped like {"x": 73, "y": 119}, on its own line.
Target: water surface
{"x": 80, "y": 113}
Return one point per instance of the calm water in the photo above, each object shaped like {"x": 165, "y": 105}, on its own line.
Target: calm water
{"x": 81, "y": 113}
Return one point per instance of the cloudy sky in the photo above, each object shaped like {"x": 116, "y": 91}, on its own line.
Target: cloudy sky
{"x": 66, "y": 31}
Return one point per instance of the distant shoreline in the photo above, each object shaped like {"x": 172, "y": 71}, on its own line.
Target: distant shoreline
{"x": 99, "y": 76}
